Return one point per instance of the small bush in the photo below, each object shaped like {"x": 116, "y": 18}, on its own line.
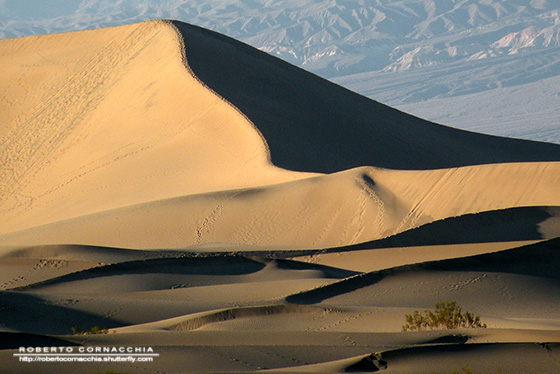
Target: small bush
{"x": 446, "y": 316}
{"x": 93, "y": 331}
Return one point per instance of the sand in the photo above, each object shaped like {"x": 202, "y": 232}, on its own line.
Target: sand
{"x": 185, "y": 192}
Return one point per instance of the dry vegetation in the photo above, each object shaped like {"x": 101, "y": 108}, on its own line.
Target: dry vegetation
{"x": 93, "y": 331}
{"x": 447, "y": 315}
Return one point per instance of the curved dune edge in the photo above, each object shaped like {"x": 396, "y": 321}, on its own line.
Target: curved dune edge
{"x": 367, "y": 363}
{"x": 185, "y": 60}
{"x": 197, "y": 320}
{"x": 101, "y": 119}
{"x": 160, "y": 172}
{"x": 335, "y": 210}
{"x": 312, "y": 124}
{"x": 368, "y": 260}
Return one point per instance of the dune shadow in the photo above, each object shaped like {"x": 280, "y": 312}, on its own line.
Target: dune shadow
{"x": 513, "y": 224}
{"x": 305, "y": 118}
{"x": 448, "y": 339}
{"x": 30, "y": 314}
{"x": 225, "y": 265}
{"x": 368, "y": 364}
{"x": 319, "y": 294}
{"x": 539, "y": 260}
{"x": 14, "y": 340}
{"x": 328, "y": 271}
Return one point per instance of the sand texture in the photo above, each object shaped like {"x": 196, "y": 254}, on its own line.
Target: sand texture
{"x": 189, "y": 193}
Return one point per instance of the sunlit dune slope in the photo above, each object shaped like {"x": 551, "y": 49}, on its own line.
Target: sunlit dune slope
{"x": 349, "y": 207}
{"x": 127, "y": 137}
{"x": 96, "y": 120}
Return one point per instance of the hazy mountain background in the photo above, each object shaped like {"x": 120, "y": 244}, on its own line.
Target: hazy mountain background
{"x": 485, "y": 65}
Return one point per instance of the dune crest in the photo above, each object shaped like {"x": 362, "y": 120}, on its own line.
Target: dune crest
{"x": 334, "y": 210}
{"x": 114, "y": 139}
{"x": 97, "y": 120}
{"x": 312, "y": 124}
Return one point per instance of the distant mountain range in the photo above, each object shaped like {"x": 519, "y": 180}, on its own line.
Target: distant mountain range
{"x": 486, "y": 65}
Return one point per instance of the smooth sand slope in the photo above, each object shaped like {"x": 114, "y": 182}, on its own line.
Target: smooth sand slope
{"x": 96, "y": 120}
{"x": 237, "y": 214}
{"x": 333, "y": 210}
{"x": 120, "y": 121}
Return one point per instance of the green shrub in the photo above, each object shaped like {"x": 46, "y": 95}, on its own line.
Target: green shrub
{"x": 94, "y": 330}
{"x": 446, "y": 316}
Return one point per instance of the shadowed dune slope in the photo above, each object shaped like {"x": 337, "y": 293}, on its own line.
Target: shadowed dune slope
{"x": 329, "y": 128}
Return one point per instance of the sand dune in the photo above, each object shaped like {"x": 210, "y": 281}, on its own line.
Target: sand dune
{"x": 177, "y": 189}
{"x": 339, "y": 209}
{"x": 330, "y": 336}
{"x": 72, "y": 154}
{"x": 330, "y": 128}
{"x": 99, "y": 121}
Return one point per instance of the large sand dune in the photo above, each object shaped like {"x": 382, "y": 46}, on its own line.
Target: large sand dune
{"x": 332, "y": 210}
{"x": 114, "y": 118}
{"x": 330, "y": 128}
{"x": 238, "y": 214}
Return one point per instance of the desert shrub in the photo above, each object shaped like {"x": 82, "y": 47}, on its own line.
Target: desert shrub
{"x": 447, "y": 315}
{"x": 94, "y": 330}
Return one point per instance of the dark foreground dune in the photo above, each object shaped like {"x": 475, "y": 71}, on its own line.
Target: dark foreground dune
{"x": 324, "y": 324}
